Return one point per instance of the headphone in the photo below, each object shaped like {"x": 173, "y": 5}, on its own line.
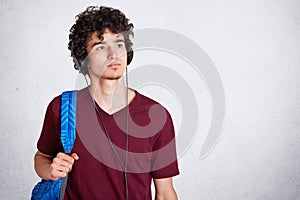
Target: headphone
{"x": 81, "y": 64}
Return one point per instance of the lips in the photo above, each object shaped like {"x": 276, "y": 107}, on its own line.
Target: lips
{"x": 114, "y": 65}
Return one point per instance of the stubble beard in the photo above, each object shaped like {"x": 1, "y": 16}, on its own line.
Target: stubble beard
{"x": 114, "y": 76}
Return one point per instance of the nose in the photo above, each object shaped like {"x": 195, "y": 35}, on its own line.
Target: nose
{"x": 111, "y": 54}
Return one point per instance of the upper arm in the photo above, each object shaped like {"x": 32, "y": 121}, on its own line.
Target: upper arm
{"x": 164, "y": 189}
{"x": 49, "y": 140}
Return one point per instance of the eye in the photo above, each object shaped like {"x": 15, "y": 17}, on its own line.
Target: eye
{"x": 120, "y": 45}
{"x": 100, "y": 47}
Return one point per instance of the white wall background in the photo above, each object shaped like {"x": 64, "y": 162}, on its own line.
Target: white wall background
{"x": 255, "y": 46}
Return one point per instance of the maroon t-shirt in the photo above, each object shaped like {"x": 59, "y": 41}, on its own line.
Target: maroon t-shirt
{"x": 102, "y": 148}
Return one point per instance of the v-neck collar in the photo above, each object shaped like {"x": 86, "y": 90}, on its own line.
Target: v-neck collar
{"x": 133, "y": 101}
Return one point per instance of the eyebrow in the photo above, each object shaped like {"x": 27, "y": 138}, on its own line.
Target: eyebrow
{"x": 101, "y": 42}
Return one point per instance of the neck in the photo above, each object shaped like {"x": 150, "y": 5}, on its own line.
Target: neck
{"x": 110, "y": 95}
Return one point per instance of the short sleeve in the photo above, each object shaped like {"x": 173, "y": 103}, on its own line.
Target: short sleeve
{"x": 164, "y": 157}
{"x": 49, "y": 142}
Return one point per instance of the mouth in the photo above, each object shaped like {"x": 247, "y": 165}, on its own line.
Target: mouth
{"x": 114, "y": 65}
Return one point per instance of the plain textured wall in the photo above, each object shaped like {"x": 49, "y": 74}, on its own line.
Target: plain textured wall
{"x": 255, "y": 46}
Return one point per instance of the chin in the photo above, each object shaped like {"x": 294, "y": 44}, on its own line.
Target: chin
{"x": 114, "y": 77}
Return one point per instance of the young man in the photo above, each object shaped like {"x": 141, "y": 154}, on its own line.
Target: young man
{"x": 124, "y": 140}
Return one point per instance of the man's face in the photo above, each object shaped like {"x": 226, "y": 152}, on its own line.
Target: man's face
{"x": 107, "y": 58}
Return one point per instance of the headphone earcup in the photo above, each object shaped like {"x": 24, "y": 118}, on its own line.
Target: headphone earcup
{"x": 129, "y": 56}
{"x": 80, "y": 65}
{"x": 83, "y": 66}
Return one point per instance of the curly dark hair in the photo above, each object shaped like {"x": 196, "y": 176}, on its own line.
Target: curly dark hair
{"x": 97, "y": 19}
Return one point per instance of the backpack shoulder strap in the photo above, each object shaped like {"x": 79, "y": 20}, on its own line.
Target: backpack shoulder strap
{"x": 68, "y": 120}
{"x": 67, "y": 128}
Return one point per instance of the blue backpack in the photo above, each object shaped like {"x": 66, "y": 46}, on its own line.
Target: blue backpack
{"x": 54, "y": 190}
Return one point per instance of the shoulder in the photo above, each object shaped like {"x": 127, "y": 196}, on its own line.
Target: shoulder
{"x": 149, "y": 109}
{"x": 55, "y": 103}
{"x": 145, "y": 101}
{"x": 53, "y": 108}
